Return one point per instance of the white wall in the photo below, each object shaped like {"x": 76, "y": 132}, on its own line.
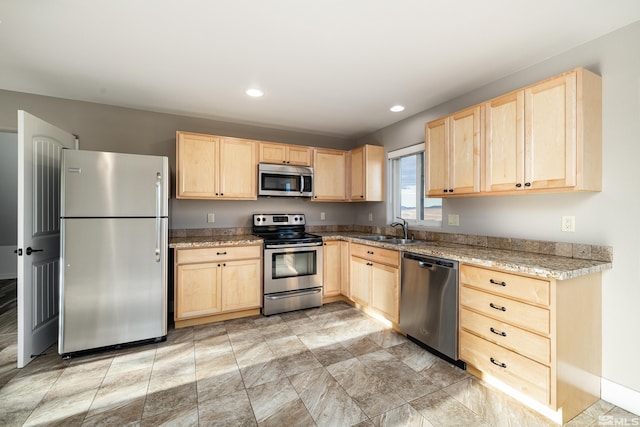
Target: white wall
{"x": 611, "y": 217}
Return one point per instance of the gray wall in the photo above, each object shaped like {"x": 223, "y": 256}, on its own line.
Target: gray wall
{"x": 611, "y": 217}
{"x": 108, "y": 128}
{"x": 8, "y": 188}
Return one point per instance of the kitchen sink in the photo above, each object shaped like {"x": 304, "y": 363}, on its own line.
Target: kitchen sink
{"x": 392, "y": 239}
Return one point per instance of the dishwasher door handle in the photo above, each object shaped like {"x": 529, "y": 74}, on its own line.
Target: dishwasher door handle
{"x": 424, "y": 264}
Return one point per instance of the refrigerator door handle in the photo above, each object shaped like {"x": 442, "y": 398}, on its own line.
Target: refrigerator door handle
{"x": 158, "y": 213}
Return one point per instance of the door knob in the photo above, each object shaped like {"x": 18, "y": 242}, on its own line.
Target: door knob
{"x": 30, "y": 251}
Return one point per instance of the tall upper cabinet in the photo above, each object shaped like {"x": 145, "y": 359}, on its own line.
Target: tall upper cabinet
{"x": 547, "y": 136}
{"x": 212, "y": 167}
{"x": 452, "y": 154}
{"x": 330, "y": 177}
{"x": 367, "y": 174}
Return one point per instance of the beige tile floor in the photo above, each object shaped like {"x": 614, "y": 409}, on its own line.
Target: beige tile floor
{"x": 330, "y": 366}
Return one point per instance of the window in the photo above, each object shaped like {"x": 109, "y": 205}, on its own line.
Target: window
{"x": 407, "y": 188}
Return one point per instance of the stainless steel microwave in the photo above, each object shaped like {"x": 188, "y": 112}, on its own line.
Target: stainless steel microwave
{"x": 286, "y": 181}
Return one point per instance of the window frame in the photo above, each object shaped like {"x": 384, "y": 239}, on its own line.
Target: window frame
{"x": 393, "y": 207}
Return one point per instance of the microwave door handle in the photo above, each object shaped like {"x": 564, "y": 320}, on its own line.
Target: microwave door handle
{"x": 302, "y": 183}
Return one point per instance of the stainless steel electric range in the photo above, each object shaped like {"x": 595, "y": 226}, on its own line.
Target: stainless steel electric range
{"x": 292, "y": 263}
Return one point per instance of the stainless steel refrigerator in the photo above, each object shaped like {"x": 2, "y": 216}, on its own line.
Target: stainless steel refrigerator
{"x": 113, "y": 249}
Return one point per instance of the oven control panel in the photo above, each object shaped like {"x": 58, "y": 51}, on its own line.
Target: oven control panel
{"x": 278, "y": 219}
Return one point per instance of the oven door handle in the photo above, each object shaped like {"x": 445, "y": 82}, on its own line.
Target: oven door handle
{"x": 292, "y": 294}
{"x": 292, "y": 245}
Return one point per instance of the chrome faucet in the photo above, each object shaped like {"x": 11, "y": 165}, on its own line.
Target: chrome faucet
{"x": 403, "y": 224}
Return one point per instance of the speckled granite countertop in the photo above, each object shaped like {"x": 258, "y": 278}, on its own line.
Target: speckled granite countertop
{"x": 541, "y": 265}
{"x": 221, "y": 240}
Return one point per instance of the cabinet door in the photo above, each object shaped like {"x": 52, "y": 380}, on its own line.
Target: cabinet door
{"x": 238, "y": 169}
{"x": 504, "y": 143}
{"x": 357, "y": 192}
{"x": 299, "y": 155}
{"x": 550, "y": 133}
{"x": 360, "y": 278}
{"x": 345, "y": 287}
{"x": 197, "y": 290}
{"x": 385, "y": 291}
{"x": 329, "y": 175}
{"x": 240, "y": 285}
{"x": 273, "y": 153}
{"x": 196, "y": 171}
{"x": 464, "y": 152}
{"x": 331, "y": 264}
{"x": 437, "y": 157}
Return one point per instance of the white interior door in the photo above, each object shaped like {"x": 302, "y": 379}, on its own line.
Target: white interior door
{"x": 40, "y": 148}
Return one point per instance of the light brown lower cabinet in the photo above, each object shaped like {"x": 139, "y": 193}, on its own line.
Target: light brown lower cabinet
{"x": 332, "y": 271}
{"x": 540, "y": 339}
{"x": 375, "y": 279}
{"x": 216, "y": 283}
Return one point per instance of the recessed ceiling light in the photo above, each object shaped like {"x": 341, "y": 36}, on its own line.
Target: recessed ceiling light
{"x": 397, "y": 108}
{"x": 254, "y": 92}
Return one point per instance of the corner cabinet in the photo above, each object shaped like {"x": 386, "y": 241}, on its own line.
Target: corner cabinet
{"x": 329, "y": 175}
{"x": 213, "y": 283}
{"x": 547, "y": 136}
{"x": 539, "y": 338}
{"x": 214, "y": 167}
{"x": 452, "y": 154}
{"x": 375, "y": 280}
{"x": 276, "y": 153}
{"x": 367, "y": 174}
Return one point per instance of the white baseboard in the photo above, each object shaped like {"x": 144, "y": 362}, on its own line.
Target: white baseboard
{"x": 8, "y": 264}
{"x": 620, "y": 396}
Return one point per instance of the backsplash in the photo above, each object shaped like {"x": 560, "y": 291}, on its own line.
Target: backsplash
{"x": 570, "y": 250}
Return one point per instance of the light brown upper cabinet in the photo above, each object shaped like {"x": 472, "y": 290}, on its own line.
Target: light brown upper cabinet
{"x": 215, "y": 167}
{"x": 452, "y": 154}
{"x": 271, "y": 152}
{"x": 329, "y": 175}
{"x": 367, "y": 174}
{"x": 547, "y": 136}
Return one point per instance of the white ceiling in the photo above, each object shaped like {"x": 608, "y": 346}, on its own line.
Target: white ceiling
{"x": 332, "y": 67}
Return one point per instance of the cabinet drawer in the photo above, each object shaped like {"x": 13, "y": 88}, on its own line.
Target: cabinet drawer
{"x": 215, "y": 254}
{"x": 506, "y": 310}
{"x": 524, "y": 375}
{"x": 523, "y": 288}
{"x": 526, "y": 343}
{"x": 375, "y": 254}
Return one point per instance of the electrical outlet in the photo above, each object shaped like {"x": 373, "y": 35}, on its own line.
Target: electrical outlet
{"x": 370, "y": 216}
{"x": 322, "y": 216}
{"x": 453, "y": 220}
{"x": 211, "y": 217}
{"x": 569, "y": 223}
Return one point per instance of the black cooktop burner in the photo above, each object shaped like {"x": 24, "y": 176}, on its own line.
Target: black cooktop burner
{"x": 283, "y": 229}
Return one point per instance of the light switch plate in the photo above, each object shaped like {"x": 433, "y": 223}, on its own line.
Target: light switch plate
{"x": 453, "y": 220}
{"x": 322, "y": 216}
{"x": 211, "y": 217}
{"x": 370, "y": 216}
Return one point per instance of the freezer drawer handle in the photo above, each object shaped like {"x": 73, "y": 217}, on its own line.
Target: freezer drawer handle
{"x": 500, "y": 364}
{"x": 30, "y": 251}
{"x": 291, "y": 295}
{"x": 497, "y": 307}
{"x": 495, "y": 282}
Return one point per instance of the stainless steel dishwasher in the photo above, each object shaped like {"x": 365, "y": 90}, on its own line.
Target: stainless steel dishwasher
{"x": 429, "y": 304}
